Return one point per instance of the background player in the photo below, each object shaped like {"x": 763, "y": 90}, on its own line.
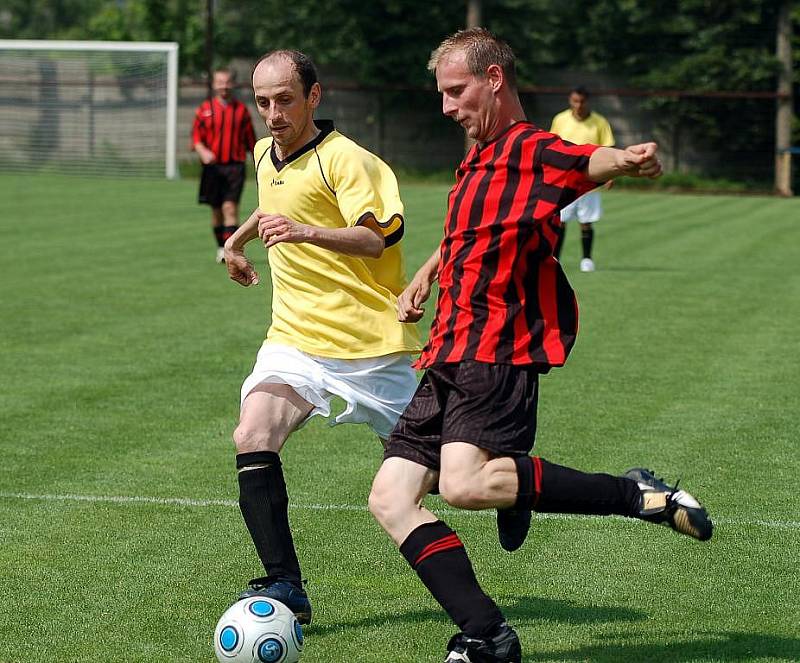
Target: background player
{"x": 579, "y": 124}
{"x": 222, "y": 135}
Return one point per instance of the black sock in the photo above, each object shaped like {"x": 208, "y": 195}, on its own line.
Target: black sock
{"x": 560, "y": 233}
{"x": 265, "y": 507}
{"x": 436, "y": 553}
{"x": 587, "y": 237}
{"x": 218, "y": 235}
{"x": 550, "y": 488}
{"x": 227, "y": 231}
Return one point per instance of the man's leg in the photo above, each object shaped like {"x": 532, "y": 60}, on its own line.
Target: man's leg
{"x": 230, "y": 219}
{"x": 218, "y": 228}
{"x": 587, "y": 239}
{"x": 470, "y": 479}
{"x": 269, "y": 414}
{"x": 438, "y": 556}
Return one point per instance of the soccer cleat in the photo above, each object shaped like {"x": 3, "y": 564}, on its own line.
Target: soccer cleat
{"x": 504, "y": 647}
{"x": 666, "y": 505}
{"x": 220, "y": 256}
{"x": 512, "y": 527}
{"x": 587, "y": 265}
{"x": 290, "y": 595}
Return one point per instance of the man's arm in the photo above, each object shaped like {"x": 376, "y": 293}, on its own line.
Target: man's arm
{"x": 606, "y": 163}
{"x": 409, "y": 303}
{"x": 240, "y": 269}
{"x": 206, "y": 155}
{"x": 364, "y": 241}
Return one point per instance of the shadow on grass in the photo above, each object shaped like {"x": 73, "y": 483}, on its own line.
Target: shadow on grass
{"x": 567, "y": 612}
{"x": 724, "y": 646}
{"x": 564, "y": 612}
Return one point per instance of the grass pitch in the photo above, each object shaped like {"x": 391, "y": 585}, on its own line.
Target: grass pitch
{"x": 123, "y": 349}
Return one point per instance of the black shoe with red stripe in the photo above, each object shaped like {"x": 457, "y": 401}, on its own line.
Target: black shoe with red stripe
{"x": 504, "y": 647}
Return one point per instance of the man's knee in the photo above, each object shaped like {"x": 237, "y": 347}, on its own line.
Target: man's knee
{"x": 381, "y": 499}
{"x": 249, "y": 439}
{"x": 459, "y": 492}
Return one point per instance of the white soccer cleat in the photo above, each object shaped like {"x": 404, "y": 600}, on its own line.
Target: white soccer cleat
{"x": 587, "y": 265}
{"x": 220, "y": 255}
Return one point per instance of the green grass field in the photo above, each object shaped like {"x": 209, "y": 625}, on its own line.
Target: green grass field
{"x": 123, "y": 349}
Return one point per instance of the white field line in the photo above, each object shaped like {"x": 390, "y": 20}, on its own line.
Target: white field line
{"x": 190, "y": 502}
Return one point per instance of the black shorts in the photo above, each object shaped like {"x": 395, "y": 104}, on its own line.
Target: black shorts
{"x": 221, "y": 182}
{"x": 492, "y": 406}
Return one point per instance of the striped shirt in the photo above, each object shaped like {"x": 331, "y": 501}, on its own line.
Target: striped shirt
{"x": 224, "y": 128}
{"x": 503, "y": 297}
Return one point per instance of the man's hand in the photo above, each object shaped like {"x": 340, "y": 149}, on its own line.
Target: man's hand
{"x": 240, "y": 269}
{"x": 276, "y": 228}
{"x": 640, "y": 161}
{"x": 409, "y": 303}
{"x": 207, "y": 156}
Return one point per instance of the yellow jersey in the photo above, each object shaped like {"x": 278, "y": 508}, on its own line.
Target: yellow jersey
{"x": 323, "y": 302}
{"x": 594, "y": 130}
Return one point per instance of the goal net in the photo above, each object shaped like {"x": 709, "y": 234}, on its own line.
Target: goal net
{"x": 93, "y": 108}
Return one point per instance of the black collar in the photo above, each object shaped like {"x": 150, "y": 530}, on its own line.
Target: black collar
{"x": 325, "y": 127}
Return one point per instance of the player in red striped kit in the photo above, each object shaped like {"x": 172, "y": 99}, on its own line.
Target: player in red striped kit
{"x": 222, "y": 135}
{"x": 505, "y": 314}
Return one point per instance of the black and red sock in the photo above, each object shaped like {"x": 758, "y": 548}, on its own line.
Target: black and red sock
{"x": 219, "y": 235}
{"x": 436, "y": 553}
{"x": 550, "y": 488}
{"x": 227, "y": 231}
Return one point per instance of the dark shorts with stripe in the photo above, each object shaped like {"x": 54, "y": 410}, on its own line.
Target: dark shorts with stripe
{"x": 492, "y": 406}
{"x": 221, "y": 182}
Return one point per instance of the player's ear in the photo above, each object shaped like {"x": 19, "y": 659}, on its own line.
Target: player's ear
{"x": 495, "y": 76}
{"x": 315, "y": 95}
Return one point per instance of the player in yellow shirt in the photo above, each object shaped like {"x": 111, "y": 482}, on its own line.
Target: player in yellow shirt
{"x": 330, "y": 214}
{"x": 581, "y": 125}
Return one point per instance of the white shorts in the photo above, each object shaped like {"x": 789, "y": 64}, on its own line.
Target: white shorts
{"x": 375, "y": 390}
{"x": 587, "y": 209}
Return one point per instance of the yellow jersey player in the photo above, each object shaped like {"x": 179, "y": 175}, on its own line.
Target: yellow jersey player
{"x": 581, "y": 125}
{"x": 331, "y": 218}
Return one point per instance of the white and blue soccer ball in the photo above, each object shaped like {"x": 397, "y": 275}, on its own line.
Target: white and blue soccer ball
{"x": 258, "y": 630}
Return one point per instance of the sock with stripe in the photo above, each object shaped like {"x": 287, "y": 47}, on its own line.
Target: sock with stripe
{"x": 227, "y": 231}
{"x": 550, "y": 488}
{"x": 218, "y": 235}
{"x": 264, "y": 503}
{"x": 587, "y": 237}
{"x": 436, "y": 553}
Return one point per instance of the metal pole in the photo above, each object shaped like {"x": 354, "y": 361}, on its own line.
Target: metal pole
{"x": 783, "y": 115}
{"x": 172, "y": 113}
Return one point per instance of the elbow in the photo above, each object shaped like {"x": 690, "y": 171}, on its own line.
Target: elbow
{"x": 375, "y": 251}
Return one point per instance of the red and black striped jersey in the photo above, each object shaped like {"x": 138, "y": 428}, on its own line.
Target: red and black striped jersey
{"x": 224, "y": 128}
{"x": 503, "y": 297}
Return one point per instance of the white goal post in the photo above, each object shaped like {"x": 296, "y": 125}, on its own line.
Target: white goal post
{"x": 89, "y": 107}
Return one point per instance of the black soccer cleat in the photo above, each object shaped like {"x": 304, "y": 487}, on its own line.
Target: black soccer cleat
{"x": 512, "y": 527}
{"x": 504, "y": 647}
{"x": 290, "y": 595}
{"x": 666, "y": 505}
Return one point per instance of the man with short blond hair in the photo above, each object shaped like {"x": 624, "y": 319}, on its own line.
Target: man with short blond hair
{"x": 504, "y": 315}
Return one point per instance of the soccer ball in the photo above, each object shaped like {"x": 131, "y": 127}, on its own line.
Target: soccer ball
{"x": 258, "y": 630}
